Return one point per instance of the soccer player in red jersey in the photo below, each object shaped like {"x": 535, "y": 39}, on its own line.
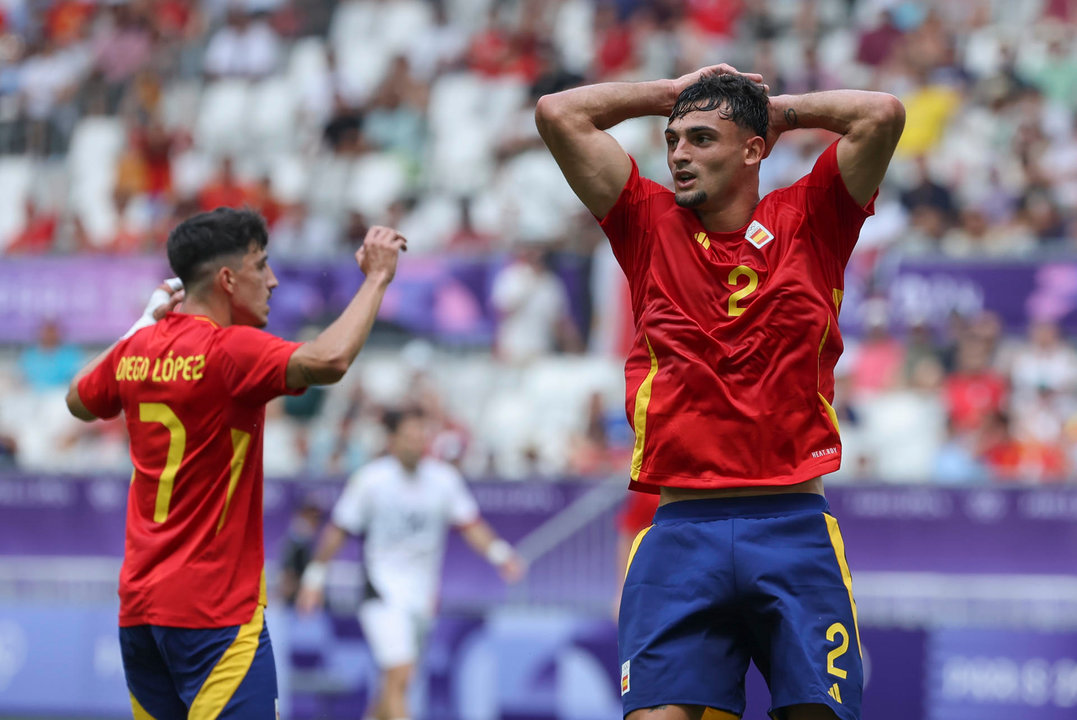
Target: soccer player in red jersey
{"x": 193, "y": 388}
{"x": 730, "y": 383}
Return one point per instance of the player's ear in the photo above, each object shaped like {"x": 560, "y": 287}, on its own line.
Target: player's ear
{"x": 755, "y": 148}
{"x": 226, "y": 279}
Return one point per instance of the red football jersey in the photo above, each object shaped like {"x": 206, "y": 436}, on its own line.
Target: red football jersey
{"x": 194, "y": 397}
{"x": 731, "y": 376}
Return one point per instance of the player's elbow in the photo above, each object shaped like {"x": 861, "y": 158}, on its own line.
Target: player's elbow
{"x": 550, "y": 114}
{"x": 888, "y": 116}
{"x": 75, "y": 406}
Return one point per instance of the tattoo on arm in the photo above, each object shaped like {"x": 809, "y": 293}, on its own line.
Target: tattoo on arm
{"x": 308, "y": 376}
{"x": 791, "y": 117}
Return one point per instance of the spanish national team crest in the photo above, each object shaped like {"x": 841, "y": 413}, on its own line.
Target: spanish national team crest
{"x": 625, "y": 666}
{"x": 758, "y": 235}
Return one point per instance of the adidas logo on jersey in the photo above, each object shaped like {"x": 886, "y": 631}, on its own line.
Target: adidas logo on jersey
{"x": 834, "y": 692}
{"x": 758, "y": 235}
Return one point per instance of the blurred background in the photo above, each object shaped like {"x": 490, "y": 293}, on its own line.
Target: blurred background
{"x": 508, "y": 323}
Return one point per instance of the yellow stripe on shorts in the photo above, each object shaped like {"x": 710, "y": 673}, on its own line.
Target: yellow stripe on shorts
{"x": 229, "y": 671}
{"x": 635, "y": 547}
{"x": 137, "y": 710}
{"x": 846, "y": 576}
{"x": 716, "y": 714}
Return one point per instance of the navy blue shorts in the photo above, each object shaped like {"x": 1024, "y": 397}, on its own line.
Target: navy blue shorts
{"x": 714, "y": 583}
{"x": 179, "y": 673}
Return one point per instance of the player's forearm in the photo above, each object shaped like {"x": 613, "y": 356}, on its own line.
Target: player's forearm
{"x": 329, "y": 544}
{"x": 317, "y": 570}
{"x": 604, "y": 105}
{"x": 845, "y": 112}
{"x": 326, "y": 358}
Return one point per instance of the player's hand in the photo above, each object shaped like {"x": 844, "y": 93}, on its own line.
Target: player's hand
{"x": 720, "y": 69}
{"x": 309, "y": 600}
{"x": 513, "y": 570}
{"x": 380, "y": 249}
{"x": 166, "y": 297}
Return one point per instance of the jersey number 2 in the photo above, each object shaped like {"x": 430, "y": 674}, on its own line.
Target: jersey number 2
{"x": 177, "y": 446}
{"x": 741, "y": 271}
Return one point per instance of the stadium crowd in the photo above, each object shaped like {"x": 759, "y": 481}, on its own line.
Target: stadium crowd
{"x": 119, "y": 119}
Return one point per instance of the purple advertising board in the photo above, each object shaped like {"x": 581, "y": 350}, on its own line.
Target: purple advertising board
{"x": 97, "y": 298}
{"x": 932, "y": 289}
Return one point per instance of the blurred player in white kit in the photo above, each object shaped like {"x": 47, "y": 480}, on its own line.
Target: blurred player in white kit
{"x": 404, "y": 505}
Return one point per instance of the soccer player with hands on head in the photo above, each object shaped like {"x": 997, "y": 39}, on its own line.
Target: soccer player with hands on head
{"x": 730, "y": 382}
{"x": 193, "y": 387}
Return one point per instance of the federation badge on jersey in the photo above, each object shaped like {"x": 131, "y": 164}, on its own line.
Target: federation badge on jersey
{"x": 624, "y": 676}
{"x": 758, "y": 235}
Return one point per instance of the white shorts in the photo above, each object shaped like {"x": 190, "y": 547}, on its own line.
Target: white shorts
{"x": 394, "y": 633}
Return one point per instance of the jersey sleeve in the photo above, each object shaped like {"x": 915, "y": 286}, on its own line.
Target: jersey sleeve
{"x": 255, "y": 364}
{"x": 98, "y": 389}
{"x": 349, "y": 513}
{"x": 835, "y": 217}
{"x": 463, "y": 510}
{"x": 628, "y": 223}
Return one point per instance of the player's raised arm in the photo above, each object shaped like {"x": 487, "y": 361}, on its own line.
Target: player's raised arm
{"x": 327, "y": 357}
{"x": 870, "y": 124}
{"x": 573, "y": 122}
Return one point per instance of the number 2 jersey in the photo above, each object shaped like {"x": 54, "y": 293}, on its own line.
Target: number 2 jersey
{"x": 194, "y": 397}
{"x": 731, "y": 376}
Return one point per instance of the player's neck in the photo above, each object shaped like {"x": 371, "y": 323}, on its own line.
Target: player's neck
{"x": 216, "y": 311}
{"x": 730, "y": 216}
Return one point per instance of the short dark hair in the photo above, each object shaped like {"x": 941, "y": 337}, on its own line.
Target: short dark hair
{"x": 735, "y": 97}
{"x": 394, "y": 418}
{"x": 198, "y": 240}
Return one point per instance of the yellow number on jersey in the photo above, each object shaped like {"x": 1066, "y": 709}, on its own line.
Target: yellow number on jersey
{"x": 734, "y": 277}
{"x": 177, "y": 444}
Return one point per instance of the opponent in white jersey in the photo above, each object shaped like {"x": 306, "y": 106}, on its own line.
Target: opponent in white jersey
{"x": 403, "y": 504}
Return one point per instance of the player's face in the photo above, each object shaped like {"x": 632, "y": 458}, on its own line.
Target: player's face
{"x": 254, "y": 283}
{"x": 409, "y": 441}
{"x": 706, "y": 156}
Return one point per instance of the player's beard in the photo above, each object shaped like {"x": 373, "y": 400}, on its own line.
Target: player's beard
{"x": 691, "y": 199}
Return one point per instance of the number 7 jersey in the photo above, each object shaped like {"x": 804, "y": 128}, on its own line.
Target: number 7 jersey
{"x": 731, "y": 376}
{"x": 194, "y": 397}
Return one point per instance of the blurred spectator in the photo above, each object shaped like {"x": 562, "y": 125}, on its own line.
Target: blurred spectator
{"x": 395, "y": 116}
{"x": 532, "y": 310}
{"x": 299, "y": 547}
{"x": 38, "y": 233}
{"x": 925, "y": 191}
{"x": 1044, "y": 362}
{"x": 466, "y": 238}
{"x": 121, "y": 47}
{"x": 904, "y": 426}
{"x": 976, "y": 237}
{"x": 50, "y": 362}
{"x": 876, "y": 45}
{"x": 592, "y": 452}
{"x": 974, "y": 391}
{"x": 145, "y": 166}
{"x": 226, "y": 190}
{"x": 878, "y": 359}
{"x": 957, "y": 461}
{"x": 245, "y": 47}
{"x": 48, "y": 82}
